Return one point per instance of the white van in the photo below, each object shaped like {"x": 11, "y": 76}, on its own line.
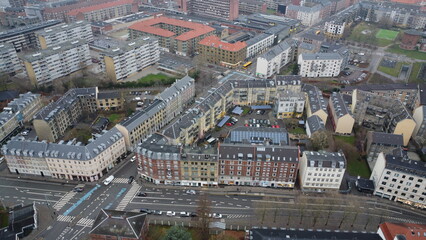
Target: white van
{"x": 108, "y": 180}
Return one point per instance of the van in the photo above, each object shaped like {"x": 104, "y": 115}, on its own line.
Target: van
{"x": 108, "y": 180}
{"x": 211, "y": 140}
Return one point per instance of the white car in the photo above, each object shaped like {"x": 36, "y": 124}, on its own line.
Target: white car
{"x": 217, "y": 215}
{"x": 192, "y": 192}
{"x": 170, "y": 213}
{"x": 133, "y": 159}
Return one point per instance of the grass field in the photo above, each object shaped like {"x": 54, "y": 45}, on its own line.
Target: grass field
{"x": 370, "y": 34}
{"x": 409, "y": 53}
{"x": 297, "y": 130}
{"x": 392, "y": 71}
{"x": 387, "y": 34}
{"x": 358, "y": 168}
{"x": 347, "y": 139}
{"x": 414, "y": 73}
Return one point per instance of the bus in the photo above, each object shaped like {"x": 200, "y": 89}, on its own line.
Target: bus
{"x": 245, "y": 66}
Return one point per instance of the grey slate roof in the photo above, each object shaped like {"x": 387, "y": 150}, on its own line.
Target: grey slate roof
{"x": 109, "y": 95}
{"x": 70, "y": 150}
{"x": 306, "y": 46}
{"x": 270, "y": 234}
{"x": 258, "y": 152}
{"x": 276, "y": 136}
{"x": 141, "y": 116}
{"x": 405, "y": 165}
{"x": 288, "y": 80}
{"x": 119, "y": 224}
{"x": 387, "y": 138}
{"x": 64, "y": 102}
{"x": 316, "y": 100}
{"x": 125, "y": 47}
{"x": 380, "y": 87}
{"x": 23, "y": 100}
{"x": 321, "y": 56}
{"x": 60, "y": 28}
{"x": 327, "y": 159}
{"x": 6, "y": 47}
{"x": 315, "y": 123}
{"x": 340, "y": 107}
{"x": 29, "y": 28}
{"x": 422, "y": 92}
{"x": 5, "y": 116}
{"x": 257, "y": 39}
{"x": 275, "y": 51}
{"x": 177, "y": 87}
{"x": 8, "y": 95}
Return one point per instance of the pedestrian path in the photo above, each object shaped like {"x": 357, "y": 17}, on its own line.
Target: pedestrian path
{"x": 64, "y": 200}
{"x": 62, "y": 218}
{"x": 128, "y": 197}
{"x": 236, "y": 216}
{"x": 120, "y": 180}
{"x": 85, "y": 222}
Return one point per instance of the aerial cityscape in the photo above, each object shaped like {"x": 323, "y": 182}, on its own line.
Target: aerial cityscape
{"x": 212, "y": 119}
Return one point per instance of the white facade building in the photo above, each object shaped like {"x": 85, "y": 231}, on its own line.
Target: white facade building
{"x": 334, "y": 29}
{"x": 320, "y": 64}
{"x": 272, "y": 61}
{"x": 321, "y": 171}
{"x": 9, "y": 62}
{"x": 400, "y": 179}
{"x": 55, "y": 35}
{"x": 289, "y": 104}
{"x": 59, "y": 61}
{"x": 259, "y": 44}
{"x": 129, "y": 58}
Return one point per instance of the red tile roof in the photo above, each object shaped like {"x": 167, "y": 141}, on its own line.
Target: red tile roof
{"x": 70, "y": 7}
{"x": 411, "y": 231}
{"x": 214, "y": 41}
{"x": 99, "y": 7}
{"x": 197, "y": 29}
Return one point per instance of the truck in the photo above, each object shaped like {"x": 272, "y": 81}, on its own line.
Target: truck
{"x": 108, "y": 180}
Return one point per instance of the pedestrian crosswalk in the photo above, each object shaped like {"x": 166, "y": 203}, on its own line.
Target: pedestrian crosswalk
{"x": 120, "y": 180}
{"x": 64, "y": 200}
{"x": 85, "y": 222}
{"x": 128, "y": 197}
{"x": 237, "y": 216}
{"x": 62, "y": 218}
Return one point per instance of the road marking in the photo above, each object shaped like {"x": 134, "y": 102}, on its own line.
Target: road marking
{"x": 156, "y": 198}
{"x": 48, "y": 194}
{"x": 182, "y": 205}
{"x": 40, "y": 189}
{"x": 64, "y": 200}
{"x": 85, "y": 222}
{"x": 128, "y": 197}
{"x": 42, "y": 200}
{"x": 86, "y": 196}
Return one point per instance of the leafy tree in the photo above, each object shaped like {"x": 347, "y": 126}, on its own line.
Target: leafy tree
{"x": 320, "y": 140}
{"x": 295, "y": 69}
{"x": 177, "y": 233}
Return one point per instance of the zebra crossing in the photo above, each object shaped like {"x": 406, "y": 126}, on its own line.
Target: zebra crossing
{"x": 128, "y": 197}
{"x": 64, "y": 200}
{"x": 85, "y": 222}
{"x": 120, "y": 180}
{"x": 62, "y": 218}
{"x": 237, "y": 216}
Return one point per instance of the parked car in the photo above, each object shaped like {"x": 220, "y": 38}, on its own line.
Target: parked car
{"x": 170, "y": 213}
{"x": 133, "y": 159}
{"x": 131, "y": 178}
{"x": 78, "y": 189}
{"x": 184, "y": 214}
{"x": 250, "y": 111}
{"x": 158, "y": 212}
{"x": 228, "y": 124}
{"x": 24, "y": 133}
{"x": 193, "y": 214}
{"x": 190, "y": 191}
{"x": 217, "y": 215}
{"x": 142, "y": 194}
{"x": 146, "y": 210}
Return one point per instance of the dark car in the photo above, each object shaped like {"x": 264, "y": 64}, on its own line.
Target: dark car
{"x": 78, "y": 189}
{"x": 142, "y": 194}
{"x": 157, "y": 212}
{"x": 193, "y": 214}
{"x": 131, "y": 178}
{"x": 146, "y": 210}
{"x": 250, "y": 111}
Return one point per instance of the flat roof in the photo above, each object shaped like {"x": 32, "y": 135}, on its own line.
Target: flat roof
{"x": 41, "y": 54}
{"x": 214, "y": 41}
{"x": 99, "y": 7}
{"x": 195, "y": 29}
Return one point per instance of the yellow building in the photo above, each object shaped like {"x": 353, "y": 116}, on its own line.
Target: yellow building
{"x": 340, "y": 114}
{"x": 213, "y": 50}
{"x": 315, "y": 103}
{"x": 111, "y": 101}
{"x": 199, "y": 166}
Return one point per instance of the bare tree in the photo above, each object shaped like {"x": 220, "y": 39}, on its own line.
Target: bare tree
{"x": 320, "y": 140}
{"x": 204, "y": 212}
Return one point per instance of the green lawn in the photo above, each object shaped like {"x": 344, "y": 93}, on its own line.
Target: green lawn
{"x": 347, "y": 139}
{"x": 392, "y": 71}
{"x": 297, "y": 130}
{"x": 358, "y": 168}
{"x": 271, "y": 11}
{"x": 387, "y": 34}
{"x": 414, "y": 73}
{"x": 366, "y": 33}
{"x": 152, "y": 78}
{"x": 409, "y": 53}
{"x": 114, "y": 117}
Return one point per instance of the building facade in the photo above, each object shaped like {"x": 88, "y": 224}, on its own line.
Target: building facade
{"x": 130, "y": 58}
{"x": 103, "y": 11}
{"x": 261, "y": 165}
{"x": 9, "y": 62}
{"x": 213, "y": 50}
{"x": 378, "y": 142}
{"x": 221, "y": 9}
{"x": 321, "y": 171}
{"x": 250, "y": 6}
{"x": 315, "y": 103}
{"x": 272, "y": 61}
{"x": 174, "y": 35}
{"x": 419, "y": 116}
{"x": 289, "y": 104}
{"x": 314, "y": 124}
{"x": 340, "y": 114}
{"x": 26, "y": 106}
{"x": 308, "y": 15}
{"x": 400, "y": 179}
{"x": 55, "y": 35}
{"x": 110, "y": 101}
{"x": 72, "y": 161}
{"x": 334, "y": 29}
{"x": 49, "y": 64}
{"x": 9, "y": 125}
{"x": 259, "y": 44}
{"x": 320, "y": 64}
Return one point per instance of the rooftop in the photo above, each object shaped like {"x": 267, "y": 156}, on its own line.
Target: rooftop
{"x": 119, "y": 224}
{"x": 67, "y": 8}
{"x": 315, "y": 123}
{"x": 257, "y": 38}
{"x": 406, "y": 165}
{"x": 109, "y": 95}
{"x": 275, "y": 51}
{"x": 8, "y": 95}
{"x": 177, "y": 87}
{"x": 410, "y": 231}
{"x": 143, "y": 115}
{"x": 253, "y": 135}
{"x": 23, "y": 100}
{"x": 121, "y": 48}
{"x": 214, "y": 41}
{"x": 63, "y": 27}
{"x": 382, "y": 87}
{"x": 422, "y": 93}
{"x": 258, "y": 152}
{"x": 387, "y": 138}
{"x": 99, "y": 7}
{"x": 321, "y": 56}
{"x": 6, "y": 47}
{"x": 28, "y": 28}
{"x": 316, "y": 100}
{"x": 65, "y": 46}
{"x": 152, "y": 26}
{"x": 325, "y": 159}
{"x": 269, "y": 234}
{"x": 340, "y": 106}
